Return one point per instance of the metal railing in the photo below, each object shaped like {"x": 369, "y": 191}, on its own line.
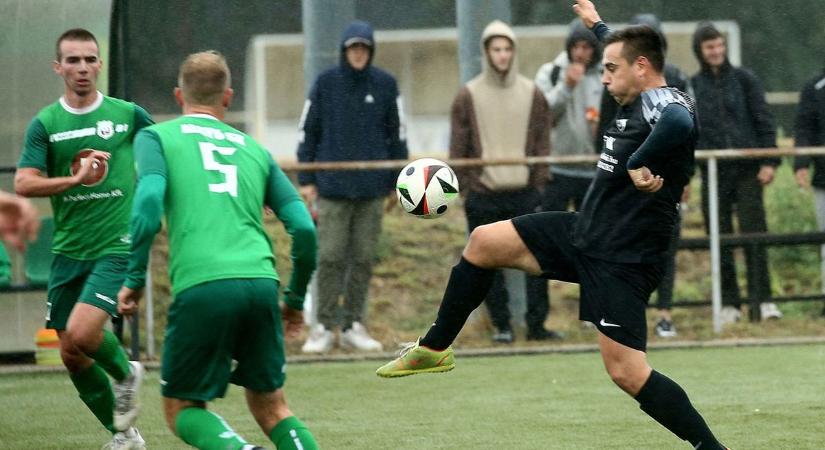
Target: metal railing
{"x": 710, "y": 156}
{"x": 714, "y": 241}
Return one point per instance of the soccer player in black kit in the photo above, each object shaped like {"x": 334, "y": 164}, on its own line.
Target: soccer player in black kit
{"x": 614, "y": 248}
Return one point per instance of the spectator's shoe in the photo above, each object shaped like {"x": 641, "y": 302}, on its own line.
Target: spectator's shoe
{"x": 543, "y": 334}
{"x": 770, "y": 311}
{"x": 417, "y": 359}
{"x": 503, "y": 336}
{"x": 665, "y": 329}
{"x": 729, "y": 315}
{"x": 357, "y": 338}
{"x": 587, "y": 325}
{"x": 320, "y": 340}
{"x": 127, "y": 400}
{"x": 126, "y": 440}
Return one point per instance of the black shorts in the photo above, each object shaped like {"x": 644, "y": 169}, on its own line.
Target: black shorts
{"x": 613, "y": 295}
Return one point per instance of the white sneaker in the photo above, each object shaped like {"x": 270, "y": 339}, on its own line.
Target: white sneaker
{"x": 127, "y": 400}
{"x": 126, "y": 440}
{"x": 320, "y": 340}
{"x": 357, "y": 338}
{"x": 729, "y": 315}
{"x": 769, "y": 311}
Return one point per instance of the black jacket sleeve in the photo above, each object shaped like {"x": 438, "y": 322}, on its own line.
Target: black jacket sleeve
{"x": 805, "y": 131}
{"x": 764, "y": 124}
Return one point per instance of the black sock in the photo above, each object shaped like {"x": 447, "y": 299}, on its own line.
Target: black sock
{"x": 667, "y": 403}
{"x": 465, "y": 291}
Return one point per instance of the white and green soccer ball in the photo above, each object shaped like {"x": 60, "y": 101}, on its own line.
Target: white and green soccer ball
{"x": 426, "y": 187}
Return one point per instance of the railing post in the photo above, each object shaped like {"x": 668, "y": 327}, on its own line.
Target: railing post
{"x": 715, "y": 253}
{"x": 150, "y": 313}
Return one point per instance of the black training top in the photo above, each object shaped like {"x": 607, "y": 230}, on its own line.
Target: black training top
{"x": 618, "y": 222}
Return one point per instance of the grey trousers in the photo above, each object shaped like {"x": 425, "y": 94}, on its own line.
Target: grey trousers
{"x": 348, "y": 232}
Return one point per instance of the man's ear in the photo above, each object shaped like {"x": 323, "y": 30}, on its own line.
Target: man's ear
{"x": 179, "y": 96}
{"x": 227, "y": 97}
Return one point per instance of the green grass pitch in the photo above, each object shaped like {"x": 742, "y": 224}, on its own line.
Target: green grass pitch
{"x": 753, "y": 398}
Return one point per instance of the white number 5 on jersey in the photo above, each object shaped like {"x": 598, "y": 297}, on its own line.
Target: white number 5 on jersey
{"x": 230, "y": 186}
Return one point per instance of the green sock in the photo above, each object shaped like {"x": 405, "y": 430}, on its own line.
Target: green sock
{"x": 111, "y": 357}
{"x": 206, "y": 430}
{"x": 95, "y": 390}
{"x": 292, "y": 434}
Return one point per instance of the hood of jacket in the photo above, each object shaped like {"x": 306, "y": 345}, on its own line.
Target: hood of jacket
{"x": 356, "y": 32}
{"x": 703, "y": 32}
{"x": 578, "y": 32}
{"x": 653, "y": 22}
{"x": 498, "y": 28}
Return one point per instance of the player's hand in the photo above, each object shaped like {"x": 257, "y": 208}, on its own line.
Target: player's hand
{"x": 127, "y": 300}
{"x": 587, "y": 13}
{"x": 89, "y": 164}
{"x": 766, "y": 174}
{"x": 645, "y": 181}
{"x": 575, "y": 72}
{"x": 19, "y": 220}
{"x": 293, "y": 321}
{"x": 803, "y": 178}
{"x": 309, "y": 193}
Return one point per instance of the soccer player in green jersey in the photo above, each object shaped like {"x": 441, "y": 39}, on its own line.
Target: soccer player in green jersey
{"x": 78, "y": 152}
{"x": 212, "y": 182}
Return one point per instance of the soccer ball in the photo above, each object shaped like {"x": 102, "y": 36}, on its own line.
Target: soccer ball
{"x": 100, "y": 167}
{"x": 425, "y": 187}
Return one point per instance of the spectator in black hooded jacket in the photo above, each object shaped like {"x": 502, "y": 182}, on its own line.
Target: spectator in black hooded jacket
{"x": 809, "y": 131}
{"x": 353, "y": 113}
{"x": 732, "y": 113}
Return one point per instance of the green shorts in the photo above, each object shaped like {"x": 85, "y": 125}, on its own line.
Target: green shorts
{"x": 95, "y": 282}
{"x": 213, "y": 323}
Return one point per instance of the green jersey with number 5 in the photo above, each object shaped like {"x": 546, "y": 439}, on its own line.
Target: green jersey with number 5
{"x": 216, "y": 184}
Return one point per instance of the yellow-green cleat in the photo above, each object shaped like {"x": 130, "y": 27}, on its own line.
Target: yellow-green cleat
{"x": 417, "y": 359}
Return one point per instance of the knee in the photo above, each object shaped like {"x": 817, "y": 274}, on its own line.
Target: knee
{"x": 479, "y": 244}
{"x": 84, "y": 339}
{"x": 630, "y": 381}
{"x": 73, "y": 359}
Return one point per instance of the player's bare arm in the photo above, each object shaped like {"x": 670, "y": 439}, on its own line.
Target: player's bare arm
{"x": 586, "y": 11}
{"x": 32, "y": 182}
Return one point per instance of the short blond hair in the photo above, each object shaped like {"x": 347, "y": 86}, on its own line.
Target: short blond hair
{"x": 203, "y": 78}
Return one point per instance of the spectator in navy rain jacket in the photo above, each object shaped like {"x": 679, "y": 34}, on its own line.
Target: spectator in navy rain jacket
{"x": 353, "y": 114}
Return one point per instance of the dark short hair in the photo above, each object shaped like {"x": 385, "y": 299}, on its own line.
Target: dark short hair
{"x": 706, "y": 31}
{"x": 490, "y": 39}
{"x": 75, "y": 34}
{"x": 640, "y": 40}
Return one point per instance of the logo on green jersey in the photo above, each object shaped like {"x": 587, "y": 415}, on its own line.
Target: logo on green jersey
{"x": 105, "y": 129}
